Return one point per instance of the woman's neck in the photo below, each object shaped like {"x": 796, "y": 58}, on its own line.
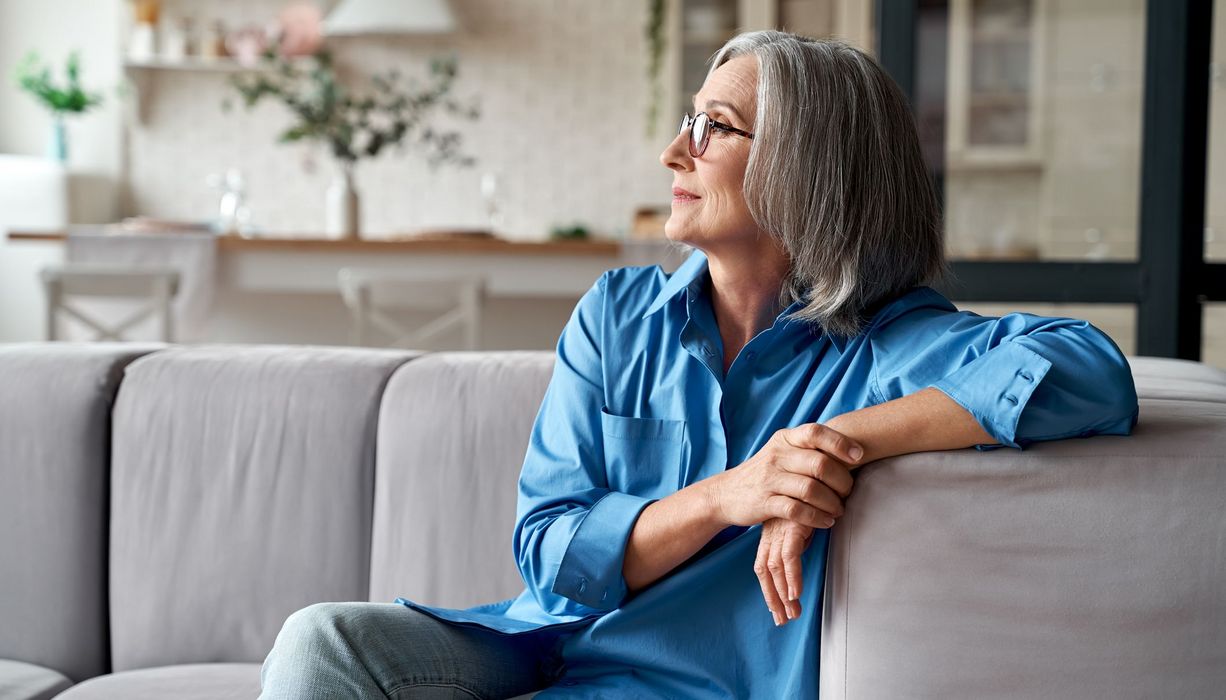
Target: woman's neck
{"x": 745, "y": 295}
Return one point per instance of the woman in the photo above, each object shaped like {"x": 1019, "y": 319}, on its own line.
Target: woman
{"x": 796, "y": 344}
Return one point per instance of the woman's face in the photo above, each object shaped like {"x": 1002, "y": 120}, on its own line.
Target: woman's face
{"x": 716, "y": 217}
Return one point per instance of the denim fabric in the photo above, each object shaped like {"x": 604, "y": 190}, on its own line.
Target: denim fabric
{"x": 377, "y": 650}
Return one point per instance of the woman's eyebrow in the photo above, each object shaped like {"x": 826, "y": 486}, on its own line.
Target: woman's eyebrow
{"x": 720, "y": 103}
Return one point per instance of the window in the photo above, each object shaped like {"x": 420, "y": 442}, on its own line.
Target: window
{"x": 1064, "y": 173}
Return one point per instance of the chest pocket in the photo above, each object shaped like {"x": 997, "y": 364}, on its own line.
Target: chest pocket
{"x": 643, "y": 456}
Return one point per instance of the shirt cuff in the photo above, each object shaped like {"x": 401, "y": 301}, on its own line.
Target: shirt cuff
{"x": 591, "y": 569}
{"x": 995, "y": 387}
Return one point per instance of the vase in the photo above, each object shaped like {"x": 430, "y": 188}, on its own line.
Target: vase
{"x": 57, "y": 146}
{"x": 342, "y": 205}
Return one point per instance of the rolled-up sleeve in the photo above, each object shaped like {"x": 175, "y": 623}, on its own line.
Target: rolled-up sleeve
{"x": 1024, "y": 378}
{"x": 571, "y": 529}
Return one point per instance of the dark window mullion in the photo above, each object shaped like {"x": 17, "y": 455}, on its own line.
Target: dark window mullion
{"x": 1173, "y": 142}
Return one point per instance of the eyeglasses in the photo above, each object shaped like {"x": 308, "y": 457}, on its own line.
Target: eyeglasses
{"x": 700, "y": 126}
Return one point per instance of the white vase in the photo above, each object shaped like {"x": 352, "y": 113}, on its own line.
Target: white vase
{"x": 342, "y": 206}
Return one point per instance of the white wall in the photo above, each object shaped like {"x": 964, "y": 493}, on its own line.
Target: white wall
{"x": 563, "y": 91}
{"x": 54, "y": 28}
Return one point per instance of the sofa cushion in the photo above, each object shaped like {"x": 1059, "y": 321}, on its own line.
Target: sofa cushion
{"x": 22, "y": 681}
{"x": 242, "y": 487}
{"x": 186, "y": 682}
{"x": 1164, "y": 378}
{"x": 453, "y": 433}
{"x": 1078, "y": 568}
{"x": 55, "y": 414}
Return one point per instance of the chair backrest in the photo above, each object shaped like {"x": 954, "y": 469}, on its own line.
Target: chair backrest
{"x": 453, "y": 431}
{"x": 55, "y": 437}
{"x": 373, "y": 297}
{"x": 154, "y": 288}
{"x": 242, "y": 481}
{"x": 1075, "y": 568}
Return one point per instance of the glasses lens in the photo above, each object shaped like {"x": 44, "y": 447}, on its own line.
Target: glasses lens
{"x": 699, "y": 133}
{"x": 685, "y": 121}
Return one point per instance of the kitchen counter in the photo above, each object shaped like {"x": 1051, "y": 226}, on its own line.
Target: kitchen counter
{"x": 511, "y": 268}
{"x": 406, "y": 244}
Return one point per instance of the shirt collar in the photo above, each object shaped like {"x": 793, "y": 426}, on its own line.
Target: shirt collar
{"x": 689, "y": 272}
{"x": 689, "y": 277}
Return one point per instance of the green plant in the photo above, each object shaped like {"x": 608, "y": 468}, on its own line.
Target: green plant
{"x": 35, "y": 78}
{"x": 352, "y": 125}
{"x": 655, "y": 60}
{"x": 577, "y": 232}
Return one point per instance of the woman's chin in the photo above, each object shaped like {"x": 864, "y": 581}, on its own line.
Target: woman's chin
{"x": 677, "y": 232}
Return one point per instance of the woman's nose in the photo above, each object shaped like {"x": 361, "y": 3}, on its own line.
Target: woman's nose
{"x": 676, "y": 155}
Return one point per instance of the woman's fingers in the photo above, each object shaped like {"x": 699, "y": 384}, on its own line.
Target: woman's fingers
{"x": 820, "y": 466}
{"x": 765, "y": 580}
{"x": 788, "y": 508}
{"x": 774, "y": 564}
{"x": 815, "y": 493}
{"x": 815, "y": 436}
{"x": 794, "y": 541}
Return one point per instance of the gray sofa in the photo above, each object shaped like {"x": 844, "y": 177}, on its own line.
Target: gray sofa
{"x": 164, "y": 508}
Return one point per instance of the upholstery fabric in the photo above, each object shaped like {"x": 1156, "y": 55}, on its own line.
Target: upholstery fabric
{"x": 242, "y": 486}
{"x": 453, "y": 432}
{"x": 1162, "y": 378}
{"x": 1087, "y": 568}
{"x": 55, "y": 408}
{"x": 22, "y": 681}
{"x": 186, "y": 682}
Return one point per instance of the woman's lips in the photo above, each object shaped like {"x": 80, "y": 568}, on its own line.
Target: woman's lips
{"x": 680, "y": 195}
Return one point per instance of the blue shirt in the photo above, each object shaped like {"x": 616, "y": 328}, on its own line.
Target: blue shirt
{"x": 639, "y": 406}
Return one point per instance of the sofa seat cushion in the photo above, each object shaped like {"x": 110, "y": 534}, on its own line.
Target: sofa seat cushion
{"x": 186, "y": 682}
{"x": 22, "y": 681}
{"x": 1163, "y": 378}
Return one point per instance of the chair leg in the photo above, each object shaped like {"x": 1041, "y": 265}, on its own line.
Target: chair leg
{"x": 55, "y": 297}
{"x": 162, "y": 296}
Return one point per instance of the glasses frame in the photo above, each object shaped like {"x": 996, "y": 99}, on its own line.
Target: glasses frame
{"x": 697, "y": 149}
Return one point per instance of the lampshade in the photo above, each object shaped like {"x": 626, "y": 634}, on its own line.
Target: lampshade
{"x": 354, "y": 17}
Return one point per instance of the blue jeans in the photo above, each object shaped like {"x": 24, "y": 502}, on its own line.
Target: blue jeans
{"x": 377, "y": 650}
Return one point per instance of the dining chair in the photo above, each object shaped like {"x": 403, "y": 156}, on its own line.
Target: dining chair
{"x": 155, "y": 287}
{"x": 378, "y": 298}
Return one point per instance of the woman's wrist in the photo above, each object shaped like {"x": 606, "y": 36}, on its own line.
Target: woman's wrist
{"x": 708, "y": 490}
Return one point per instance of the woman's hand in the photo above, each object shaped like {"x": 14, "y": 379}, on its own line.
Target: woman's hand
{"x": 800, "y": 474}
{"x": 778, "y": 566}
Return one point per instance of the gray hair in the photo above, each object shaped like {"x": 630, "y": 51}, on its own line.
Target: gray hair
{"x": 836, "y": 175}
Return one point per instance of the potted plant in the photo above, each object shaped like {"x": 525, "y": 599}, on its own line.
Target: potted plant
{"x": 357, "y": 125}
{"x": 35, "y": 78}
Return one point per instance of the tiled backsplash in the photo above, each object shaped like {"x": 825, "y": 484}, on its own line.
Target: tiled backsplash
{"x": 563, "y": 92}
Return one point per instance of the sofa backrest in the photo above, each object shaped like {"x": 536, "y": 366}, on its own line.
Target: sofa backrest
{"x": 453, "y": 431}
{"x": 1077, "y": 568}
{"x": 242, "y": 480}
{"x": 55, "y": 418}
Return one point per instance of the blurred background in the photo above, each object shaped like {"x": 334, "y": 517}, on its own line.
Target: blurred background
{"x": 456, "y": 173}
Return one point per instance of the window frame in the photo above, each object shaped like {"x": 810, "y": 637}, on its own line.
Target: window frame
{"x": 1171, "y": 280}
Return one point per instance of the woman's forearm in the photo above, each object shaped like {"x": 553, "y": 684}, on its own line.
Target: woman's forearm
{"x": 672, "y": 529}
{"x": 925, "y": 421}
{"x": 668, "y": 532}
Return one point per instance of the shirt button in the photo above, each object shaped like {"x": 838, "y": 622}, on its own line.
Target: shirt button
{"x": 750, "y": 355}
{"x": 582, "y": 585}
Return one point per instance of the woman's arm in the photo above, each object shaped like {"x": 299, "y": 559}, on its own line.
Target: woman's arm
{"x": 800, "y": 474}
{"x": 925, "y": 421}
{"x": 668, "y": 532}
